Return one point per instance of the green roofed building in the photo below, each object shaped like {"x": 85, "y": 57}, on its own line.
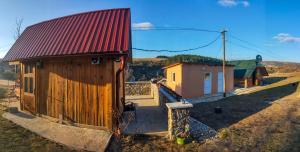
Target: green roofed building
{"x": 248, "y": 73}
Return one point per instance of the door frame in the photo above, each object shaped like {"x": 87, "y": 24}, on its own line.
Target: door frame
{"x": 28, "y": 94}
{"x": 210, "y": 79}
{"x": 222, "y": 88}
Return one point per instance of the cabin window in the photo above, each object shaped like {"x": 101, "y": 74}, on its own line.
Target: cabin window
{"x": 28, "y": 78}
{"x": 25, "y": 84}
{"x": 173, "y": 77}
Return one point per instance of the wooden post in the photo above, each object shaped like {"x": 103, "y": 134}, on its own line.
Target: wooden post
{"x": 224, "y": 62}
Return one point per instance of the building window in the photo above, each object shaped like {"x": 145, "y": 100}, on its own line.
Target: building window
{"x": 207, "y": 76}
{"x": 28, "y": 78}
{"x": 173, "y": 77}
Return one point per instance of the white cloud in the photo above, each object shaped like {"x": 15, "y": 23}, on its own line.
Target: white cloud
{"x": 231, "y": 3}
{"x": 142, "y": 25}
{"x": 245, "y": 3}
{"x": 286, "y": 38}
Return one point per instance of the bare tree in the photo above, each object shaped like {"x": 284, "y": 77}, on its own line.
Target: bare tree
{"x": 18, "y": 30}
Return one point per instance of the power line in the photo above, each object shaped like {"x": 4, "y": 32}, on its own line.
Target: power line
{"x": 249, "y": 43}
{"x": 185, "y": 50}
{"x": 251, "y": 49}
{"x": 175, "y": 29}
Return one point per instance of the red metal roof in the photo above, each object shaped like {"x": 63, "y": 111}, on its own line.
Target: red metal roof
{"x": 97, "y": 32}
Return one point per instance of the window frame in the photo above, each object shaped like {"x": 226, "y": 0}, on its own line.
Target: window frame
{"x": 173, "y": 77}
{"x": 28, "y": 79}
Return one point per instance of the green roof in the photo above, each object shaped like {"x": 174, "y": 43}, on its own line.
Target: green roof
{"x": 243, "y": 73}
{"x": 245, "y": 64}
{"x": 244, "y": 68}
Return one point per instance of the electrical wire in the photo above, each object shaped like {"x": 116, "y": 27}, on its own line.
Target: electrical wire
{"x": 185, "y": 50}
{"x": 251, "y": 49}
{"x": 249, "y": 43}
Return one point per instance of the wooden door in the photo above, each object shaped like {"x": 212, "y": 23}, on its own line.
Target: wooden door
{"x": 29, "y": 102}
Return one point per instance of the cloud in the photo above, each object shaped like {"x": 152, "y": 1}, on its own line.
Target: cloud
{"x": 231, "y": 3}
{"x": 286, "y": 38}
{"x": 142, "y": 25}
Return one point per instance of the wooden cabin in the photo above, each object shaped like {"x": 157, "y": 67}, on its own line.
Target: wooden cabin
{"x": 72, "y": 67}
{"x": 248, "y": 73}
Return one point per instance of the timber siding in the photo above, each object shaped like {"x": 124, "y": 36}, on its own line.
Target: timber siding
{"x": 79, "y": 91}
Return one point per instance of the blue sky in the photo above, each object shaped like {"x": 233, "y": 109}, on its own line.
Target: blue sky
{"x": 271, "y": 25}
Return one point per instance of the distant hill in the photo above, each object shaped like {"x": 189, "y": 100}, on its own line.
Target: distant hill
{"x": 144, "y": 69}
{"x": 281, "y": 67}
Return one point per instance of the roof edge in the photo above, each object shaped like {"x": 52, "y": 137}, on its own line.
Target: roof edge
{"x": 53, "y": 19}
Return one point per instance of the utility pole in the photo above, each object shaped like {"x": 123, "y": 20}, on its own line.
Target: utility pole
{"x": 224, "y": 62}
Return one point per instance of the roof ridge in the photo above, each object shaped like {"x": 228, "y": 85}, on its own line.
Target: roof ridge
{"x": 81, "y": 13}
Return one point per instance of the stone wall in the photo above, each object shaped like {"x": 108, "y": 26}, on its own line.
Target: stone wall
{"x": 138, "y": 88}
{"x": 178, "y": 122}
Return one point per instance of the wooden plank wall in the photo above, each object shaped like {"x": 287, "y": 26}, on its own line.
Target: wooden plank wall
{"x": 84, "y": 92}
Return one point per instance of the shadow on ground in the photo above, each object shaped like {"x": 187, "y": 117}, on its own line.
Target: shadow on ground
{"x": 270, "y": 80}
{"x": 236, "y": 108}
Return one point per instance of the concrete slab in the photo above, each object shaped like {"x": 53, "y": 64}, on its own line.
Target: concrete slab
{"x": 73, "y": 137}
{"x": 151, "y": 118}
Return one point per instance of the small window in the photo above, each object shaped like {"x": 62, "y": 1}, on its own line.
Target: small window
{"x": 207, "y": 76}
{"x": 26, "y": 84}
{"x": 30, "y": 85}
{"x": 28, "y": 78}
{"x": 173, "y": 77}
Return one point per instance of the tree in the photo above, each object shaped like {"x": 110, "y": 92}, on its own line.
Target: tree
{"x": 18, "y": 30}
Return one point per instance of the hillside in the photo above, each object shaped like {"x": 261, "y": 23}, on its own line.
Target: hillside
{"x": 281, "y": 67}
{"x": 144, "y": 69}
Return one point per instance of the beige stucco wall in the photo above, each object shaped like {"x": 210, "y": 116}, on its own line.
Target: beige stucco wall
{"x": 177, "y": 85}
{"x": 191, "y": 84}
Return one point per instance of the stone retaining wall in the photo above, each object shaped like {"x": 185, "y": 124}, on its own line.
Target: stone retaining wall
{"x": 138, "y": 88}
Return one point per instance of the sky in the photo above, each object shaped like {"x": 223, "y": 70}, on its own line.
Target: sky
{"x": 266, "y": 27}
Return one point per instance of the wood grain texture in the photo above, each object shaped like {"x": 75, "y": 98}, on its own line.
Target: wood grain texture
{"x": 83, "y": 93}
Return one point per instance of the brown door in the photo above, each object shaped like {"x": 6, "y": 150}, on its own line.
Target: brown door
{"x": 29, "y": 88}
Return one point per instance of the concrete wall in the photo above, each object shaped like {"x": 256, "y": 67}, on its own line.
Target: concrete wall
{"x": 192, "y": 83}
{"x": 177, "y": 85}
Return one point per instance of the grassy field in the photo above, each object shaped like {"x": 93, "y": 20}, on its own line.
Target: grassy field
{"x": 267, "y": 119}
